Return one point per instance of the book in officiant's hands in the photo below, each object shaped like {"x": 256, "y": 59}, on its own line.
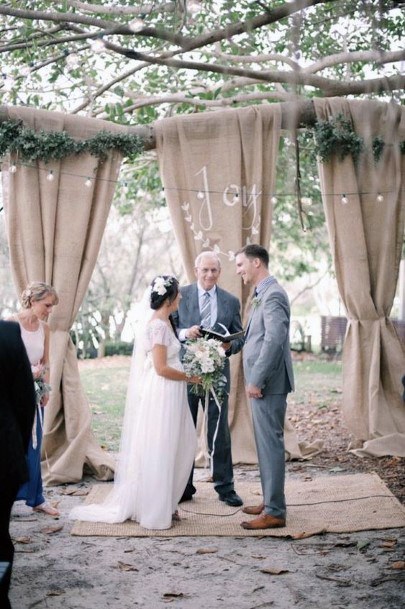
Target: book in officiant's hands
{"x": 221, "y": 334}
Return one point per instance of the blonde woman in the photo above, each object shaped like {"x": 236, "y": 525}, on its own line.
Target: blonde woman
{"x": 37, "y": 301}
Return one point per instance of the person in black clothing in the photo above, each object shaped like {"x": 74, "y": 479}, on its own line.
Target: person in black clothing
{"x": 17, "y": 408}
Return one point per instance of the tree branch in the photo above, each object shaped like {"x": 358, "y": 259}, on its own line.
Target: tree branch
{"x": 120, "y": 10}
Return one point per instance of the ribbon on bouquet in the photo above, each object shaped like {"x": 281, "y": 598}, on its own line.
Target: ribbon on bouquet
{"x": 210, "y": 457}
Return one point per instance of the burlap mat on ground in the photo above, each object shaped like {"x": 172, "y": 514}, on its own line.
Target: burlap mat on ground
{"x": 338, "y": 504}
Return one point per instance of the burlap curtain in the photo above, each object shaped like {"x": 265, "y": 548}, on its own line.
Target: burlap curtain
{"x": 218, "y": 172}
{"x": 54, "y": 232}
{"x": 366, "y": 234}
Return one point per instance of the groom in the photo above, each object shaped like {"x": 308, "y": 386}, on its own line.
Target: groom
{"x": 204, "y": 303}
{"x": 269, "y": 378}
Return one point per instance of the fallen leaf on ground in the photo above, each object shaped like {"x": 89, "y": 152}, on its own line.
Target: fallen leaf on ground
{"x": 274, "y": 570}
{"x": 22, "y": 539}
{"x": 78, "y": 492}
{"x": 55, "y": 593}
{"x": 398, "y": 564}
{"x": 123, "y": 566}
{"x": 388, "y": 543}
{"x": 305, "y": 534}
{"x": 206, "y": 550}
{"x": 49, "y": 530}
{"x": 361, "y": 545}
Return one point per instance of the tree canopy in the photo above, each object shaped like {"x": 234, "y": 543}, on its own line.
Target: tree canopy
{"x": 138, "y": 61}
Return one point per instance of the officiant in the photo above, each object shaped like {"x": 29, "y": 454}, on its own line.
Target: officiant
{"x": 204, "y": 304}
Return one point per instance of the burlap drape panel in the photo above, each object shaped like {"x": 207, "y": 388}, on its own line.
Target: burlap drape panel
{"x": 54, "y": 232}
{"x": 366, "y": 240}
{"x": 218, "y": 172}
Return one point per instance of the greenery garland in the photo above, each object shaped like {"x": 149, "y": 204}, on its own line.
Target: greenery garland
{"x": 337, "y": 137}
{"x": 332, "y": 137}
{"x": 48, "y": 146}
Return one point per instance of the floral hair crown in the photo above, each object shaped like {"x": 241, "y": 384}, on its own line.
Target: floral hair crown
{"x": 160, "y": 285}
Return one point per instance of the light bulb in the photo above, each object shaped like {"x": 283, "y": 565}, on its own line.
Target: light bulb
{"x": 50, "y": 177}
{"x": 136, "y": 25}
{"x": 88, "y": 183}
{"x": 72, "y": 61}
{"x": 200, "y": 195}
{"x": 12, "y": 168}
{"x": 344, "y": 200}
{"x": 380, "y": 198}
{"x": 193, "y": 6}
{"x": 273, "y": 200}
{"x": 97, "y": 46}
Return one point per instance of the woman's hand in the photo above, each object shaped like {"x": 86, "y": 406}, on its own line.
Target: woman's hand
{"x": 195, "y": 380}
{"x": 45, "y": 399}
{"x": 37, "y": 371}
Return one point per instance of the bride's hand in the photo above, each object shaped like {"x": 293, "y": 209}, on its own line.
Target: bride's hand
{"x": 195, "y": 380}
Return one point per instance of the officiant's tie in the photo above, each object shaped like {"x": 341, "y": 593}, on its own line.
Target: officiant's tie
{"x": 206, "y": 310}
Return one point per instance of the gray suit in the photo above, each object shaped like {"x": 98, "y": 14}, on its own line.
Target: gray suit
{"x": 228, "y": 314}
{"x": 267, "y": 365}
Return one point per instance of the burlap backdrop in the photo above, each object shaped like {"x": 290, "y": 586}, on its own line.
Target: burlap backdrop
{"x": 54, "y": 232}
{"x": 366, "y": 240}
{"x": 218, "y": 173}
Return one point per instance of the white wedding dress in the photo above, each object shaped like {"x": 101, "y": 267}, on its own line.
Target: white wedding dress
{"x": 158, "y": 441}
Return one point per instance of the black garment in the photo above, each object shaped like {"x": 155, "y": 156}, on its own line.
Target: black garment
{"x": 17, "y": 408}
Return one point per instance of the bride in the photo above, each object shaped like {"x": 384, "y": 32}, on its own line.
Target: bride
{"x": 158, "y": 437}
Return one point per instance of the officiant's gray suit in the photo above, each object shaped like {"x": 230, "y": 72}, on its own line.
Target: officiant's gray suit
{"x": 228, "y": 314}
{"x": 267, "y": 364}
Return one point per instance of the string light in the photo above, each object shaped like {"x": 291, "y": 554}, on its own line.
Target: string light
{"x": 97, "y": 46}
{"x": 72, "y": 61}
{"x": 125, "y": 188}
{"x": 193, "y": 6}
{"x": 136, "y": 25}
{"x": 50, "y": 177}
{"x": 200, "y": 194}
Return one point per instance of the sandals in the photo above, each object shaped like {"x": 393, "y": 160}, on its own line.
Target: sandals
{"x": 46, "y": 508}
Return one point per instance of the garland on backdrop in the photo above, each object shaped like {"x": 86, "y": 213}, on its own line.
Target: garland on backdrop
{"x": 47, "y": 146}
{"x": 333, "y": 137}
{"x": 337, "y": 137}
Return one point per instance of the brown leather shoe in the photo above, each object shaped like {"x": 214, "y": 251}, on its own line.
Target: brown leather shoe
{"x": 254, "y": 510}
{"x": 264, "y": 522}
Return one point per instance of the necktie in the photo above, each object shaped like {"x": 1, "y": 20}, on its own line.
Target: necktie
{"x": 206, "y": 310}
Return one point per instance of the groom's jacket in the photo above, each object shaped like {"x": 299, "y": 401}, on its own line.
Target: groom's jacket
{"x": 266, "y": 355}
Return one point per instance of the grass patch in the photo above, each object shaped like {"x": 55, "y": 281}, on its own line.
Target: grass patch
{"x": 317, "y": 381}
{"x": 106, "y": 389}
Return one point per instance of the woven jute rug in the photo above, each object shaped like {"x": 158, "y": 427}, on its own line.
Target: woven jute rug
{"x": 338, "y": 504}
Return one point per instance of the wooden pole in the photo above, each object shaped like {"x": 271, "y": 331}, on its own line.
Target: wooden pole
{"x": 293, "y": 115}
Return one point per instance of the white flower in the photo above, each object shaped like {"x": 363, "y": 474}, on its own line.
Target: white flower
{"x": 205, "y": 358}
{"x": 160, "y": 285}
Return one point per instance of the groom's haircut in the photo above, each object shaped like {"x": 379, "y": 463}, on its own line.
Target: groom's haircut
{"x": 253, "y": 250}
{"x": 207, "y": 254}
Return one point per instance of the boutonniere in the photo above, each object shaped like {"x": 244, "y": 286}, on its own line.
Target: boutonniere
{"x": 256, "y": 301}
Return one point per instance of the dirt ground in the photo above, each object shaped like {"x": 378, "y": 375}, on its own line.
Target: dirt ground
{"x": 53, "y": 569}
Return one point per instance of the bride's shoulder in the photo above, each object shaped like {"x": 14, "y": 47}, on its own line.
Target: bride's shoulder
{"x": 156, "y": 323}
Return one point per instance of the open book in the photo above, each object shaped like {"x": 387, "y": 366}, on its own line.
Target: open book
{"x": 223, "y": 336}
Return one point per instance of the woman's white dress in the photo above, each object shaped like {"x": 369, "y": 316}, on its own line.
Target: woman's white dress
{"x": 158, "y": 443}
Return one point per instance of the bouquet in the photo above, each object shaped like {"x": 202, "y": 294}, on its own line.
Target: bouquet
{"x": 41, "y": 389}
{"x": 205, "y": 357}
